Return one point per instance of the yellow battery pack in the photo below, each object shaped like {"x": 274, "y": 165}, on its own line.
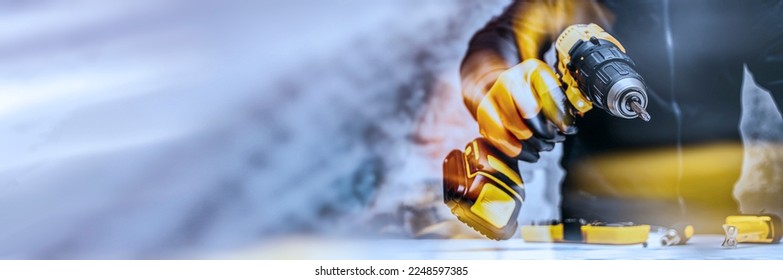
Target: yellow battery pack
{"x": 483, "y": 190}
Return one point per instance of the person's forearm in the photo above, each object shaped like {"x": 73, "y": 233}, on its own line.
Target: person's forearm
{"x": 491, "y": 50}
{"x": 479, "y": 71}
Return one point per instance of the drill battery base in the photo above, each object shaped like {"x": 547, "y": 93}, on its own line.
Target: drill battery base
{"x": 483, "y": 190}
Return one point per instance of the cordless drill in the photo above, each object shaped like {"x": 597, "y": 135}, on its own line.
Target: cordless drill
{"x": 482, "y": 186}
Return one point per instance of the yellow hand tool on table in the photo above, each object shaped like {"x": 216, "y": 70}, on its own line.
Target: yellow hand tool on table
{"x": 763, "y": 228}
{"x": 678, "y": 234}
{"x": 578, "y": 230}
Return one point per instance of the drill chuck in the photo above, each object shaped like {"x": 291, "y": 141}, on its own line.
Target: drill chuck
{"x": 609, "y": 78}
{"x": 601, "y": 70}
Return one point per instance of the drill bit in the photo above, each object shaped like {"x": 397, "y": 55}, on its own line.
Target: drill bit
{"x": 636, "y": 107}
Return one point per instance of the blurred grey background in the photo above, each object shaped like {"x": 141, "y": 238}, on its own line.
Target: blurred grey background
{"x": 170, "y": 129}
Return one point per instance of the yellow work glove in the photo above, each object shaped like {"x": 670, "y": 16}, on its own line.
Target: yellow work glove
{"x": 525, "y": 111}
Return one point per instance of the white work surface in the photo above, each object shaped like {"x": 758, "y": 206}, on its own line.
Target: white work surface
{"x": 699, "y": 247}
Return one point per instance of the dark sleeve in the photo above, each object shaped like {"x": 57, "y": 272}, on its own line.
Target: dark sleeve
{"x": 497, "y": 36}
{"x": 766, "y": 60}
{"x": 491, "y": 50}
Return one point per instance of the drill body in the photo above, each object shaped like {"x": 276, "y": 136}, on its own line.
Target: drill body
{"x": 482, "y": 186}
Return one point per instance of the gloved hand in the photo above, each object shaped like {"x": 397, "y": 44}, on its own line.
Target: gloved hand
{"x": 525, "y": 111}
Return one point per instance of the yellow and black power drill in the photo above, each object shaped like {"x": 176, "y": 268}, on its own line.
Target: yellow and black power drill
{"x": 483, "y": 187}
